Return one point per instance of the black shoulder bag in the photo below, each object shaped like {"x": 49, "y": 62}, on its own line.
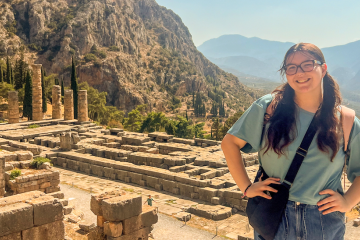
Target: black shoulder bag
{"x": 265, "y": 214}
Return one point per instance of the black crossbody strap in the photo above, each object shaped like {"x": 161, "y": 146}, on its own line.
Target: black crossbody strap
{"x": 301, "y": 153}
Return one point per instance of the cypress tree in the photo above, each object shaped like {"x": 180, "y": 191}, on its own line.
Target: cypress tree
{"x": 62, "y": 88}
{"x": 186, "y": 116}
{"x": 12, "y": 77}
{"x": 74, "y": 87}
{"x": 27, "y": 104}
{"x": 1, "y": 74}
{"x": 193, "y": 99}
{"x": 19, "y": 72}
{"x": 56, "y": 81}
{"x": 8, "y": 70}
{"x": 44, "y": 103}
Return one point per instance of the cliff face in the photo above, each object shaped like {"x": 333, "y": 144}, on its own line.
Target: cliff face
{"x": 144, "y": 53}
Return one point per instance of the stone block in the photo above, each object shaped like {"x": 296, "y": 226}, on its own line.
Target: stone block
{"x": 141, "y": 234}
{"x": 216, "y": 201}
{"x": 15, "y": 218}
{"x": 147, "y": 218}
{"x": 67, "y": 210}
{"x": 100, "y": 220}
{"x": 122, "y": 207}
{"x": 47, "y": 209}
{"x": 159, "y": 187}
{"x": 206, "y": 194}
{"x": 53, "y": 231}
{"x": 113, "y": 229}
{"x": 59, "y": 195}
{"x": 194, "y": 195}
{"x": 12, "y": 236}
{"x": 86, "y": 226}
{"x": 176, "y": 191}
{"x": 128, "y": 179}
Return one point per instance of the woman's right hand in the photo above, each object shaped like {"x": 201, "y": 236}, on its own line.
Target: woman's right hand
{"x": 258, "y": 188}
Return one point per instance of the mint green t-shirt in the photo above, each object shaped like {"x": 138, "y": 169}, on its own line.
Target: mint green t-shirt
{"x": 317, "y": 172}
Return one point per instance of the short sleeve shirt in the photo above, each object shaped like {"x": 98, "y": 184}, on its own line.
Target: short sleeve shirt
{"x": 317, "y": 172}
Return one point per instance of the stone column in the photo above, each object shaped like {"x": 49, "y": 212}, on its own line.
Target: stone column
{"x": 37, "y": 113}
{"x": 13, "y": 107}
{"x": 68, "y": 105}
{"x": 2, "y": 177}
{"x": 56, "y": 102}
{"x": 82, "y": 106}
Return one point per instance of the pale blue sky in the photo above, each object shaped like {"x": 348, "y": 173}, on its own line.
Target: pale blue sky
{"x": 324, "y": 23}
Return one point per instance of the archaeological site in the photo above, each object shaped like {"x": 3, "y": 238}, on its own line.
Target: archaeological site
{"x": 113, "y": 173}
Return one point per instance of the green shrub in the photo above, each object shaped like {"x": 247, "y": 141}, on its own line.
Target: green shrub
{"x": 114, "y": 49}
{"x": 102, "y": 54}
{"x": 15, "y": 173}
{"x": 37, "y": 162}
{"x": 33, "y": 126}
{"x": 34, "y": 47}
{"x": 72, "y": 51}
{"x": 90, "y": 57}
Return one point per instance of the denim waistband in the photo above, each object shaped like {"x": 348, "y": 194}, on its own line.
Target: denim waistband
{"x": 299, "y": 204}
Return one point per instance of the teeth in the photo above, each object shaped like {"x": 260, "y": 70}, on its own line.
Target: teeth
{"x": 303, "y": 81}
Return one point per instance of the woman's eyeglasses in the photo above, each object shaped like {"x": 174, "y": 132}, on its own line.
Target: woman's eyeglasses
{"x": 306, "y": 66}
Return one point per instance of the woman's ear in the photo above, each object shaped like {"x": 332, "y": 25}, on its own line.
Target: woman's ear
{"x": 324, "y": 68}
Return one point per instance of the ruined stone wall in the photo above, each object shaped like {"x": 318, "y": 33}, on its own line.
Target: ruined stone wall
{"x": 46, "y": 181}
{"x": 56, "y": 102}
{"x": 37, "y": 113}
{"x": 31, "y": 216}
{"x": 13, "y": 107}
{"x": 123, "y": 216}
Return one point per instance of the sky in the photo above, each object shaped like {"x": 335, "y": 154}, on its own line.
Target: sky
{"x": 325, "y": 23}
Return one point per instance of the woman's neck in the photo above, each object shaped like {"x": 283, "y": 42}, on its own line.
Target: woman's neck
{"x": 308, "y": 102}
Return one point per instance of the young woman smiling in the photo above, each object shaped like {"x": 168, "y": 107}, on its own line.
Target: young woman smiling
{"x": 317, "y": 204}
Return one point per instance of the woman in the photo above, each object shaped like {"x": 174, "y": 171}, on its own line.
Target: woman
{"x": 317, "y": 205}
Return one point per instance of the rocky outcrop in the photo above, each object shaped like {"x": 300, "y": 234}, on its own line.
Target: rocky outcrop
{"x": 144, "y": 52}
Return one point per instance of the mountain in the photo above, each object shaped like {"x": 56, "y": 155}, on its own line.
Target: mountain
{"x": 135, "y": 50}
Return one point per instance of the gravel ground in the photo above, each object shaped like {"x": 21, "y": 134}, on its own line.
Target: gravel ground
{"x": 166, "y": 228}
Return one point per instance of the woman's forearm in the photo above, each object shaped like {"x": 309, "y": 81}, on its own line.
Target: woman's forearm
{"x": 352, "y": 195}
{"x": 235, "y": 164}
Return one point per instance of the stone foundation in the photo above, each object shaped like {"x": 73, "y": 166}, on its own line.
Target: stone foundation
{"x": 31, "y": 216}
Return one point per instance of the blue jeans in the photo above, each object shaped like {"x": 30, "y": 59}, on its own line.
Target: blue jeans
{"x": 306, "y": 222}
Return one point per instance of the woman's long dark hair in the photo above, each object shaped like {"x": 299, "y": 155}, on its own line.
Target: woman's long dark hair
{"x": 282, "y": 123}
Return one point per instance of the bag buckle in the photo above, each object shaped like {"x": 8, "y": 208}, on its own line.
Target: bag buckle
{"x": 287, "y": 185}
{"x": 301, "y": 152}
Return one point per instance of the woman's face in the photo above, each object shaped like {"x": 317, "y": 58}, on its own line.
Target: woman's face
{"x": 305, "y": 82}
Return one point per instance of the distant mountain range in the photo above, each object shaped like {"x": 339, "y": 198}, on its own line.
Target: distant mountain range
{"x": 256, "y": 62}
{"x": 262, "y": 58}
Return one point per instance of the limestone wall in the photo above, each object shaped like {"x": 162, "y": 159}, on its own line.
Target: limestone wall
{"x": 45, "y": 180}
{"x": 123, "y": 216}
{"x": 31, "y": 216}
{"x": 2, "y": 177}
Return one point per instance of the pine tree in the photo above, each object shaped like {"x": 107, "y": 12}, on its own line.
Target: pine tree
{"x": 74, "y": 87}
{"x": 1, "y": 74}
{"x": 27, "y": 104}
{"x": 44, "y": 103}
{"x": 8, "y": 70}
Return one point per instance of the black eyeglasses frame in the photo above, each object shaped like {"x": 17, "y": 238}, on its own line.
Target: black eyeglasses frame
{"x": 299, "y": 66}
